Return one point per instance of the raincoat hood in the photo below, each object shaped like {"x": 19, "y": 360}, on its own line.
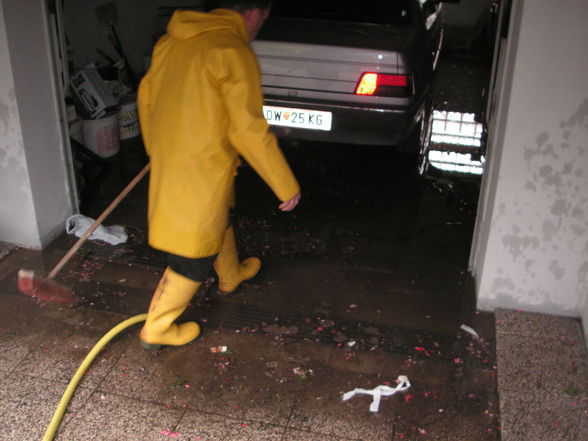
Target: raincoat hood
{"x": 187, "y": 24}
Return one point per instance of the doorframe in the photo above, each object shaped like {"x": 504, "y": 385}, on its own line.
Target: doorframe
{"x": 57, "y": 43}
{"x": 505, "y": 49}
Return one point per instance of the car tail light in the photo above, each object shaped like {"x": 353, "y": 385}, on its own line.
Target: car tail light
{"x": 377, "y": 84}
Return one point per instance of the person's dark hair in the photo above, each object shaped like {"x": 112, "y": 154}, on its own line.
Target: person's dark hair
{"x": 240, "y": 5}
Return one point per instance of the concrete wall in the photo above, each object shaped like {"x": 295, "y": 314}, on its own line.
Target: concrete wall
{"x": 17, "y": 215}
{"x": 531, "y": 248}
{"x": 34, "y": 176}
{"x": 466, "y": 13}
{"x": 465, "y": 23}
{"x": 137, "y": 22}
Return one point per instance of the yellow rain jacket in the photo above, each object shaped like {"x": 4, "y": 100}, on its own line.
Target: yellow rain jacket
{"x": 200, "y": 108}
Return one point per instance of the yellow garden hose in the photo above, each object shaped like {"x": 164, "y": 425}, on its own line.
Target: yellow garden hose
{"x": 73, "y": 384}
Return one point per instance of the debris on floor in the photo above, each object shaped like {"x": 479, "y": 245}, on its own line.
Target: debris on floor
{"x": 378, "y": 392}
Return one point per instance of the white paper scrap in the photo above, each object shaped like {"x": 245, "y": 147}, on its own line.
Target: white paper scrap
{"x": 469, "y": 330}
{"x": 379, "y": 392}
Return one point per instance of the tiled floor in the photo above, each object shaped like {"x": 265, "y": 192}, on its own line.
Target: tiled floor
{"x": 542, "y": 377}
{"x": 276, "y": 383}
{"x": 282, "y": 378}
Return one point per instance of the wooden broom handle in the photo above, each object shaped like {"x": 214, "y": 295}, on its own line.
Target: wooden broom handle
{"x": 98, "y": 222}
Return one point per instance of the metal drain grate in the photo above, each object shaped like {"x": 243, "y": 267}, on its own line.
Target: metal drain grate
{"x": 335, "y": 331}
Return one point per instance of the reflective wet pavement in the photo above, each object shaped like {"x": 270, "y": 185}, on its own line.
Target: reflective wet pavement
{"x": 365, "y": 281}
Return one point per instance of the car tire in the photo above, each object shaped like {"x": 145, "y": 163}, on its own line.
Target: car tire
{"x": 426, "y": 127}
{"x": 414, "y": 150}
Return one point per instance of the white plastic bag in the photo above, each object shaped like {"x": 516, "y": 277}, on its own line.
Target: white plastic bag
{"x": 78, "y": 224}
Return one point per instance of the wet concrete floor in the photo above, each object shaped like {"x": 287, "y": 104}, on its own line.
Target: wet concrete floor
{"x": 365, "y": 281}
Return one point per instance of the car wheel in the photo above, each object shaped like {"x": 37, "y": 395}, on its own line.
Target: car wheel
{"x": 425, "y": 129}
{"x": 415, "y": 148}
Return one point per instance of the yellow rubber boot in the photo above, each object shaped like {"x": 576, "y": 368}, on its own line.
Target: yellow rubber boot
{"x": 169, "y": 300}
{"x": 230, "y": 271}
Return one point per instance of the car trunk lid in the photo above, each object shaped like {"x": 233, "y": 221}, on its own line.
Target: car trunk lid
{"x": 315, "y": 57}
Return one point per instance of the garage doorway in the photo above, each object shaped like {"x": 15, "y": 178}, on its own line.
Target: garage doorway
{"x": 405, "y": 245}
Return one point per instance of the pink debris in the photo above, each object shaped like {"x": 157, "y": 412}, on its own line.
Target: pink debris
{"x": 423, "y": 350}
{"x": 169, "y": 433}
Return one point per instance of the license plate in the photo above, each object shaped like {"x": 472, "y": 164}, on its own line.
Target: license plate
{"x": 300, "y": 118}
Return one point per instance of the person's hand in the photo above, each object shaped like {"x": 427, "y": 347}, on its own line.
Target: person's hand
{"x": 291, "y": 203}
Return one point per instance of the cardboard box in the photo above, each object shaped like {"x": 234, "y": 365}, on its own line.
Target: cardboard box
{"x": 92, "y": 93}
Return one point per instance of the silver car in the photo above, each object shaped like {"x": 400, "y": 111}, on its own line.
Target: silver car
{"x": 357, "y": 72}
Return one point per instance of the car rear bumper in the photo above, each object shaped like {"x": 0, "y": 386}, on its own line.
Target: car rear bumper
{"x": 351, "y": 124}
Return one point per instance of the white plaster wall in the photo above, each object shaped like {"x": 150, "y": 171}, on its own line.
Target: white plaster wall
{"x": 533, "y": 253}
{"x": 36, "y": 170}
{"x": 18, "y": 223}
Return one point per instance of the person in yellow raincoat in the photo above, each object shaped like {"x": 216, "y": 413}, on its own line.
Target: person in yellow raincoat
{"x": 200, "y": 109}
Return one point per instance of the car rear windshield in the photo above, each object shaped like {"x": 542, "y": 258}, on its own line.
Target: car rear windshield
{"x": 358, "y": 11}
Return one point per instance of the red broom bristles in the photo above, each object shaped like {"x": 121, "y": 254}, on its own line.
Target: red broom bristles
{"x": 46, "y": 290}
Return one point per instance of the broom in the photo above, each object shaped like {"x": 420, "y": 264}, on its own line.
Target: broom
{"x": 49, "y": 290}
